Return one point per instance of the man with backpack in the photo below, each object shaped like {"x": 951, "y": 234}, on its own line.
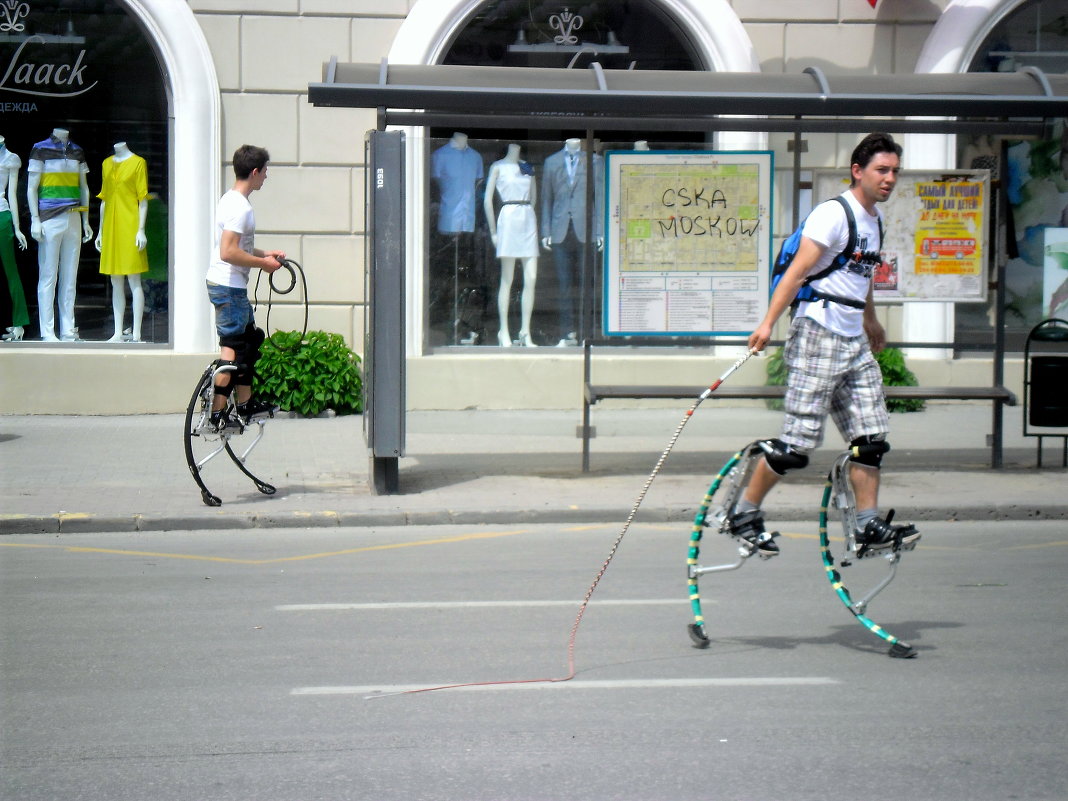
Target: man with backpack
{"x": 828, "y": 352}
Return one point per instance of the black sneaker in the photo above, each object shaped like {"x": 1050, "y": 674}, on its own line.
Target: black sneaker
{"x": 219, "y": 420}
{"x": 750, "y": 527}
{"x": 253, "y": 408}
{"x": 881, "y": 534}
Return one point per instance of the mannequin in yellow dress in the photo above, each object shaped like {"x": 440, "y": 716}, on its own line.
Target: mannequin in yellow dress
{"x": 122, "y": 241}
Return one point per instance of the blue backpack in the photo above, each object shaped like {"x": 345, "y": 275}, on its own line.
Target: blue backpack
{"x": 806, "y": 292}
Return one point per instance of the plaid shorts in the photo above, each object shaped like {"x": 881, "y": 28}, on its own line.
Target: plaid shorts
{"x": 830, "y": 374}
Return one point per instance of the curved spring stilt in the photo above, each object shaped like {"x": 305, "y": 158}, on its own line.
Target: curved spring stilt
{"x": 261, "y": 485}
{"x": 737, "y": 471}
{"x": 203, "y": 442}
{"x": 839, "y": 487}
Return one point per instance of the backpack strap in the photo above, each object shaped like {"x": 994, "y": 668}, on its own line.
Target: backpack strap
{"x": 851, "y": 243}
{"x": 823, "y": 296}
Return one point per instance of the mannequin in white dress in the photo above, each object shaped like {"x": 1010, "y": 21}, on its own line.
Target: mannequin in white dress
{"x": 514, "y": 231}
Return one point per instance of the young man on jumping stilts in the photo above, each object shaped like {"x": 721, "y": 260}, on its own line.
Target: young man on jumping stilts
{"x": 234, "y": 257}
{"x": 828, "y": 353}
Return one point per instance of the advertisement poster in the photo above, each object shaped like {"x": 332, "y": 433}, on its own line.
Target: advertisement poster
{"x": 1037, "y": 190}
{"x": 935, "y": 235}
{"x": 1055, "y": 275}
{"x": 688, "y": 242}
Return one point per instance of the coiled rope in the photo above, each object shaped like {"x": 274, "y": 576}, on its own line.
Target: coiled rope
{"x": 293, "y": 269}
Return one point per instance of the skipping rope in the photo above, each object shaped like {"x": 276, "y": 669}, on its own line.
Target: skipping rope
{"x": 604, "y": 567}
{"x": 293, "y": 269}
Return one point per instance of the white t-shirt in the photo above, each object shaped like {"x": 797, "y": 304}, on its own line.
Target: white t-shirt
{"x": 234, "y": 213}
{"x": 827, "y": 226}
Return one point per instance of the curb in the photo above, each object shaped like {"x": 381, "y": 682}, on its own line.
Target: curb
{"x": 82, "y": 523}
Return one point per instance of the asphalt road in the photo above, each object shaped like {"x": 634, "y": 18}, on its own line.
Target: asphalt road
{"x": 268, "y": 664}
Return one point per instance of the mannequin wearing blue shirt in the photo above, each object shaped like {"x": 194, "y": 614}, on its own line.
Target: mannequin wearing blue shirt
{"x": 456, "y": 169}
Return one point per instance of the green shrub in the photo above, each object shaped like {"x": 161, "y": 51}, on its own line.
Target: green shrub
{"x": 891, "y": 362}
{"x": 896, "y": 374}
{"x": 310, "y": 375}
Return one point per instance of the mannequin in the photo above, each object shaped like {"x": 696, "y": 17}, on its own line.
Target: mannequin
{"x": 563, "y": 225}
{"x": 121, "y": 241}
{"x": 515, "y": 236}
{"x": 641, "y": 144}
{"x": 9, "y": 233}
{"x": 457, "y": 168}
{"x": 54, "y": 222}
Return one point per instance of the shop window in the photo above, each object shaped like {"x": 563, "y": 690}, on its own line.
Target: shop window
{"x": 528, "y": 287}
{"x": 514, "y": 248}
{"x": 1034, "y": 177}
{"x": 83, "y": 99}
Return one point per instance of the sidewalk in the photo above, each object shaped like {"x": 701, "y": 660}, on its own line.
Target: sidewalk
{"x": 72, "y": 474}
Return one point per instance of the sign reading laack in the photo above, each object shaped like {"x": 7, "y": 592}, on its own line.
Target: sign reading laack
{"x": 688, "y": 242}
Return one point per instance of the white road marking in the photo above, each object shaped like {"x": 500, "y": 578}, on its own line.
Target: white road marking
{"x": 473, "y": 604}
{"x": 578, "y": 684}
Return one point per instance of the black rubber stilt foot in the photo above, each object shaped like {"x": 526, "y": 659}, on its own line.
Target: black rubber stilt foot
{"x": 902, "y": 650}
{"x": 697, "y": 634}
{"x": 209, "y": 499}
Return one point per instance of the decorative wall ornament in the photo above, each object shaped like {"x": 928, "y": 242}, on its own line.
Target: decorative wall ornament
{"x": 566, "y": 23}
{"x": 13, "y": 11}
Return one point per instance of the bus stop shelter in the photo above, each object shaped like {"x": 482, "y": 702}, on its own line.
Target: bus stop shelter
{"x": 1020, "y": 104}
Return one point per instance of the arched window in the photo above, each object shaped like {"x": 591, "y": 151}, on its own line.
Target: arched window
{"x": 1034, "y": 174}
{"x": 88, "y": 72}
{"x": 481, "y": 285}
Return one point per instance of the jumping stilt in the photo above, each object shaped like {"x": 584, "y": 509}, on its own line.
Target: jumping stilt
{"x": 737, "y": 472}
{"x": 839, "y": 493}
{"x": 204, "y": 441}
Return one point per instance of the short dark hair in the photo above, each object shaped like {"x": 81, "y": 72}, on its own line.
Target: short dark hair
{"x": 248, "y": 158}
{"x": 871, "y": 144}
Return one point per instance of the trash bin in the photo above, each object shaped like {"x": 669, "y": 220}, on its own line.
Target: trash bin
{"x": 1046, "y": 383}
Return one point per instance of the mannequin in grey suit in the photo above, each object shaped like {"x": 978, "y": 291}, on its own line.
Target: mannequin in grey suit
{"x": 563, "y": 223}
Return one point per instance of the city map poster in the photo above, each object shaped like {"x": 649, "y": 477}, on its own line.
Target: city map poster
{"x": 688, "y": 242}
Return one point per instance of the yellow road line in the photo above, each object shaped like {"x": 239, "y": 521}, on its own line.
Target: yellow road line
{"x": 417, "y": 543}
{"x": 1058, "y": 543}
{"x": 302, "y": 557}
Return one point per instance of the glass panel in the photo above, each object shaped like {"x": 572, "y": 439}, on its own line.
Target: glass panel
{"x": 508, "y": 262}
{"x": 531, "y": 277}
{"x": 1035, "y": 176}
{"x": 84, "y": 67}
{"x": 620, "y": 34}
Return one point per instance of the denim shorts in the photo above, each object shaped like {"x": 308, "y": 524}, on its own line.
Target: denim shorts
{"x": 233, "y": 312}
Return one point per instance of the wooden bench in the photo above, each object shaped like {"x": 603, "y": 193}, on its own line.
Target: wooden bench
{"x": 999, "y": 396}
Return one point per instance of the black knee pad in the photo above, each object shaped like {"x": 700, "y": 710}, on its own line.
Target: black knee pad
{"x": 247, "y": 342}
{"x": 234, "y": 341}
{"x": 869, "y": 450}
{"x": 254, "y": 337}
{"x": 246, "y": 347}
{"x": 228, "y": 387}
{"x": 782, "y": 457}
{"x": 224, "y": 368}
